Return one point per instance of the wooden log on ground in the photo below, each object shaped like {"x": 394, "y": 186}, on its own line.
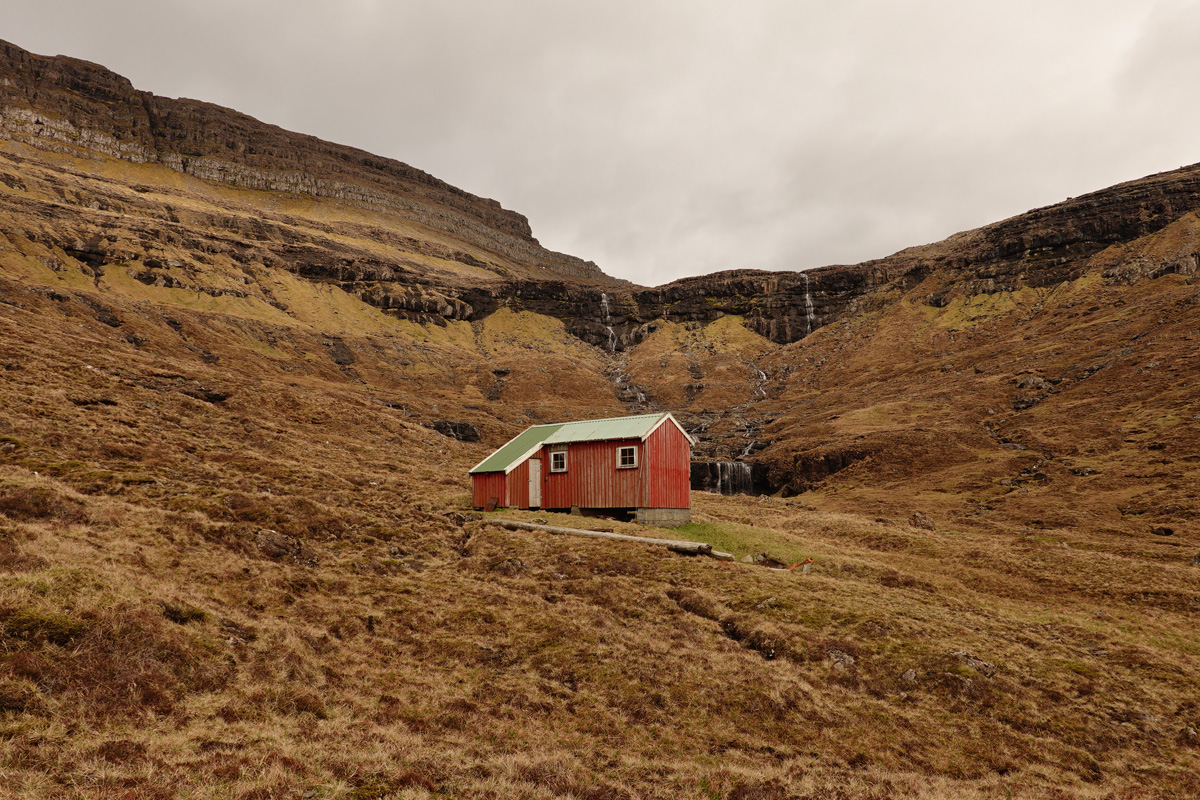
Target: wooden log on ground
{"x": 688, "y": 548}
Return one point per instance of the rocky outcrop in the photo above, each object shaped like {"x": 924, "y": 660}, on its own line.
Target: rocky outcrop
{"x": 76, "y": 107}
{"x": 1042, "y": 248}
{"x": 66, "y": 105}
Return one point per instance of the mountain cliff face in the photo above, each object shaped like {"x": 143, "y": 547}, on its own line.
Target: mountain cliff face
{"x": 75, "y": 107}
{"x": 72, "y": 107}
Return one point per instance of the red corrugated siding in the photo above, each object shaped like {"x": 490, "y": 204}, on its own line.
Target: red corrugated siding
{"x": 518, "y": 486}
{"x": 487, "y": 485}
{"x": 668, "y": 457}
{"x": 592, "y": 479}
{"x": 662, "y": 478}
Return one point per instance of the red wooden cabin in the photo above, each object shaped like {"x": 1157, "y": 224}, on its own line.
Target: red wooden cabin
{"x": 637, "y": 464}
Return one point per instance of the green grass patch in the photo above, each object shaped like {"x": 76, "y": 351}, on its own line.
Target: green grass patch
{"x": 742, "y": 540}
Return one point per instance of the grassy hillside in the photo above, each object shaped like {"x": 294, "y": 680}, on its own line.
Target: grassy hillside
{"x": 227, "y": 570}
{"x": 236, "y": 557}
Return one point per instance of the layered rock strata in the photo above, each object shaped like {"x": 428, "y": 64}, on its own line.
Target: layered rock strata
{"x": 71, "y": 106}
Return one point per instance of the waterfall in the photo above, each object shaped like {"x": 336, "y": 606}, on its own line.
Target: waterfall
{"x": 722, "y": 477}
{"x": 809, "y": 316}
{"x": 612, "y": 337}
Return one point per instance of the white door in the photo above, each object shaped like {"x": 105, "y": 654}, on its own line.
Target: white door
{"x": 535, "y": 483}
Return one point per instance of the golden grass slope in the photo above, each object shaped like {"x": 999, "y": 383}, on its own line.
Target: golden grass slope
{"x": 233, "y": 560}
{"x": 226, "y": 571}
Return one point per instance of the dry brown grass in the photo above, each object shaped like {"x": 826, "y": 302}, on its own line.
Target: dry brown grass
{"x": 225, "y": 570}
{"x": 153, "y": 648}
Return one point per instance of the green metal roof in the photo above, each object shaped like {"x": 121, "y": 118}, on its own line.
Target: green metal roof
{"x": 517, "y": 449}
{"x": 590, "y": 430}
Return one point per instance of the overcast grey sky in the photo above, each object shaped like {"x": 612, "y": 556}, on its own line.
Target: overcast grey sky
{"x": 664, "y": 138}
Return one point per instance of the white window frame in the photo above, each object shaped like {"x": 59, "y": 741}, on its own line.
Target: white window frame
{"x": 621, "y": 450}
{"x": 554, "y": 465}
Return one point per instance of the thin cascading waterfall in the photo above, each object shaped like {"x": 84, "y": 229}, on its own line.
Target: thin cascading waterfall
{"x": 759, "y": 391}
{"x": 737, "y": 480}
{"x": 723, "y": 477}
{"x": 810, "y": 316}
{"x": 733, "y": 477}
{"x": 612, "y": 336}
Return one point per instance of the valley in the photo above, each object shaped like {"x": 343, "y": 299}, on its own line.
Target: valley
{"x": 243, "y": 374}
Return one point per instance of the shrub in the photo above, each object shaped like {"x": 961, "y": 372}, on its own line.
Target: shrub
{"x": 37, "y": 625}
{"x": 182, "y": 613}
{"x": 41, "y": 502}
{"x": 13, "y": 560}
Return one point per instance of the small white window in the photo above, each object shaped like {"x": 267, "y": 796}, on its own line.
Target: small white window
{"x": 558, "y": 461}
{"x": 626, "y": 457}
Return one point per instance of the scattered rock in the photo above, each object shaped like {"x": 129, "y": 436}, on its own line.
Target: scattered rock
{"x": 461, "y": 518}
{"x": 1163, "y": 530}
{"x": 340, "y": 352}
{"x": 273, "y": 544}
{"x": 206, "y": 394}
{"x": 922, "y": 521}
{"x": 462, "y": 431}
{"x": 764, "y": 560}
{"x": 509, "y": 567}
{"x": 909, "y": 676}
{"x": 279, "y": 546}
{"x": 985, "y": 668}
{"x": 1196, "y": 560}
{"x": 770, "y": 601}
{"x": 842, "y": 661}
{"x": 1032, "y": 382}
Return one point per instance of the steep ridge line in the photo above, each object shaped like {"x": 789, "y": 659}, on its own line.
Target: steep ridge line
{"x": 73, "y": 107}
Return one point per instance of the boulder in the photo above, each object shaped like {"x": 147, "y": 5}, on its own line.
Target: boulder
{"x": 509, "y": 567}
{"x": 279, "y": 546}
{"x": 842, "y": 661}
{"x": 985, "y": 668}
{"x": 462, "y": 431}
{"x": 922, "y": 521}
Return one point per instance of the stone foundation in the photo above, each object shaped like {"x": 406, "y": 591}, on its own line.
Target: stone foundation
{"x": 664, "y": 517}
